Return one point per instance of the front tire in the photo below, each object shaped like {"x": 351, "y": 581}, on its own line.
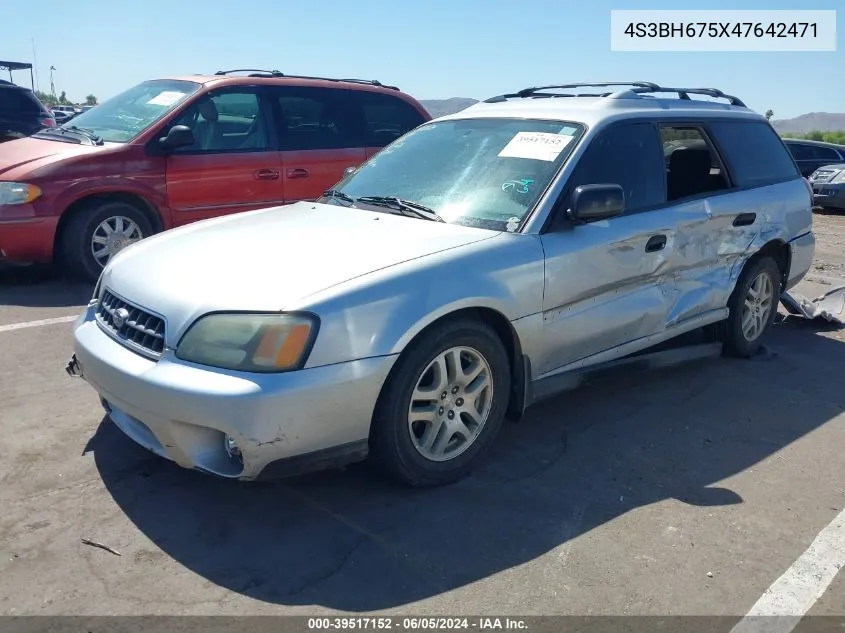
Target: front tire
{"x": 753, "y": 306}
{"x": 443, "y": 404}
{"x": 98, "y": 232}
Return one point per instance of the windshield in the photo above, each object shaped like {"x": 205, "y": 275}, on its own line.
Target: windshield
{"x": 122, "y": 118}
{"x": 480, "y": 172}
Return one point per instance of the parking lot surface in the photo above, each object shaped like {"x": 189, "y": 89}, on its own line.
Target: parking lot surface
{"x": 685, "y": 491}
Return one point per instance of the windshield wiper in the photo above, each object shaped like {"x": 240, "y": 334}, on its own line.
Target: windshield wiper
{"x": 405, "y": 207}
{"x": 97, "y": 140}
{"x": 336, "y": 193}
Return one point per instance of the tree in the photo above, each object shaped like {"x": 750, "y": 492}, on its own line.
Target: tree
{"x": 46, "y": 98}
{"x": 91, "y": 100}
{"x": 769, "y": 114}
{"x": 63, "y": 100}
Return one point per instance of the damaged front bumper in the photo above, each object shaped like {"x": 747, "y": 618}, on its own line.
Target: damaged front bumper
{"x": 282, "y": 424}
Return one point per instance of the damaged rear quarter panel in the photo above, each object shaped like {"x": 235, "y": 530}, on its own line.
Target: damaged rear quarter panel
{"x": 711, "y": 251}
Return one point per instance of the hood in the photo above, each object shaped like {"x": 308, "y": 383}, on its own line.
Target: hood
{"x": 271, "y": 259}
{"x": 22, "y": 156}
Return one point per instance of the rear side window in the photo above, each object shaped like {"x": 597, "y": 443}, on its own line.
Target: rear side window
{"x": 826, "y": 153}
{"x": 628, "y": 155}
{"x": 14, "y": 100}
{"x": 755, "y": 154}
{"x": 317, "y": 118}
{"x": 386, "y": 118}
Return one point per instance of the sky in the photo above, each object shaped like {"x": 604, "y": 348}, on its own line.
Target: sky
{"x": 431, "y": 49}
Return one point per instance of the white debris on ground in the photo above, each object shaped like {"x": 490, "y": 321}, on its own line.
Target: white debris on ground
{"x": 830, "y": 306}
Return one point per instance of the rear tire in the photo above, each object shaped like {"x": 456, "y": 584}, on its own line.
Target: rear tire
{"x": 434, "y": 422}
{"x": 753, "y": 306}
{"x": 98, "y": 232}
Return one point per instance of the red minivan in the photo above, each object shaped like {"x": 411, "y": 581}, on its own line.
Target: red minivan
{"x": 172, "y": 151}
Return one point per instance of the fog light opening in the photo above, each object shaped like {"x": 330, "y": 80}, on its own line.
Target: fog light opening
{"x": 232, "y": 448}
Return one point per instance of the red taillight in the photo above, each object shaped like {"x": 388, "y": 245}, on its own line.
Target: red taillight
{"x": 48, "y": 121}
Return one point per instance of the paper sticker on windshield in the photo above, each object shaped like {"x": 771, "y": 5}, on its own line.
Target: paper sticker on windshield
{"x": 536, "y": 145}
{"x": 513, "y": 224}
{"x": 166, "y": 98}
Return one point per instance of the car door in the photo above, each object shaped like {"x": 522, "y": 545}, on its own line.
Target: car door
{"x": 386, "y": 118}
{"x": 609, "y": 282}
{"x": 321, "y": 136}
{"x": 234, "y": 164}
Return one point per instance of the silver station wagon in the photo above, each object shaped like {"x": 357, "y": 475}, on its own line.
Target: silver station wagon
{"x": 483, "y": 261}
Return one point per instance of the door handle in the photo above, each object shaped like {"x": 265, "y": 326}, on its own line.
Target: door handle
{"x": 267, "y": 174}
{"x": 745, "y": 219}
{"x": 298, "y": 172}
{"x": 655, "y": 243}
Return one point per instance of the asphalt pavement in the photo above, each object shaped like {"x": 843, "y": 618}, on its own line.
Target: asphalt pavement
{"x": 689, "y": 491}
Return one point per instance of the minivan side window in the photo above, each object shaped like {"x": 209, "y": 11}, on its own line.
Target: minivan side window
{"x": 317, "y": 118}
{"x": 800, "y": 151}
{"x": 227, "y": 121}
{"x": 754, "y": 153}
{"x": 607, "y": 160}
{"x": 826, "y": 153}
{"x": 386, "y": 118}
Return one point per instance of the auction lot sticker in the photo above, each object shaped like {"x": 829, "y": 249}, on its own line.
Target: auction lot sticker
{"x": 536, "y": 145}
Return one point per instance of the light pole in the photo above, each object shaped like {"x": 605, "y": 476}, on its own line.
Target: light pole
{"x": 52, "y": 85}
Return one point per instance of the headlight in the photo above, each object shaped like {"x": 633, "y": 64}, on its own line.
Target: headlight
{"x": 249, "y": 342}
{"x": 838, "y": 178}
{"x": 17, "y": 193}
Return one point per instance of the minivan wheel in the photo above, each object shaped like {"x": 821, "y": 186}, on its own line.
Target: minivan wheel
{"x": 443, "y": 405}
{"x": 96, "y": 234}
{"x": 753, "y": 306}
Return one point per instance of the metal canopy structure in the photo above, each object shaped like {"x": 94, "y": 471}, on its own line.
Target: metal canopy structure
{"x": 10, "y": 66}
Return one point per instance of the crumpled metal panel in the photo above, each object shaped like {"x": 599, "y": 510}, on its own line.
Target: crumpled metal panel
{"x": 830, "y": 306}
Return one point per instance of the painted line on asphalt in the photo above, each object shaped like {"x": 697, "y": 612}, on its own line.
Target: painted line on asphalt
{"x": 781, "y": 607}
{"x": 39, "y": 323}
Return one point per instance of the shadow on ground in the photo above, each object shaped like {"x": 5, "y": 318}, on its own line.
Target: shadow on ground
{"x": 41, "y": 286}
{"x": 348, "y": 540}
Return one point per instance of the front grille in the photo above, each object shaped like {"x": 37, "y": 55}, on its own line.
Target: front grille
{"x": 134, "y": 327}
{"x": 822, "y": 175}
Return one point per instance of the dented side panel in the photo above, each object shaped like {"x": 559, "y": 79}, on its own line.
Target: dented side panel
{"x": 602, "y": 288}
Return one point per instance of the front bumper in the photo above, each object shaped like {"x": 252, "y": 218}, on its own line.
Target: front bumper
{"x": 829, "y": 195}
{"x": 292, "y": 423}
{"x": 27, "y": 240}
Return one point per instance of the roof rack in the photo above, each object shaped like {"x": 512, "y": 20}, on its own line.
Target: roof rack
{"x": 257, "y": 72}
{"x": 635, "y": 88}
{"x": 254, "y": 72}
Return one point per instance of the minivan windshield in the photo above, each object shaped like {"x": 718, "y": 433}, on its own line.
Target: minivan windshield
{"x": 482, "y": 172}
{"x": 122, "y": 118}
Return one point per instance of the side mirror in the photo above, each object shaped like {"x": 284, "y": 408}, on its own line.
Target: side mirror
{"x": 178, "y": 136}
{"x": 596, "y": 202}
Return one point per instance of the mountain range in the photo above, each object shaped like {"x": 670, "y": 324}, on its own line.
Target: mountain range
{"x": 820, "y": 121}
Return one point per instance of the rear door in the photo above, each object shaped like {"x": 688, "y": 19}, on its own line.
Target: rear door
{"x": 234, "y": 164}
{"x": 759, "y": 169}
{"x": 321, "y": 135}
{"x": 386, "y": 118}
